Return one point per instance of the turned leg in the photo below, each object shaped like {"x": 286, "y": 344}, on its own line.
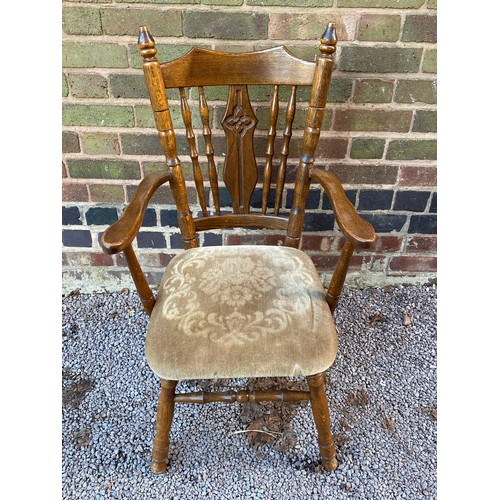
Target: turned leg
{"x": 321, "y": 414}
{"x": 164, "y": 417}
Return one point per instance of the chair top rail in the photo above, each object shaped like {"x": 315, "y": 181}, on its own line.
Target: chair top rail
{"x": 203, "y": 67}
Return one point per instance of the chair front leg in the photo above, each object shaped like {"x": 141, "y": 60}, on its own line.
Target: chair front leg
{"x": 165, "y": 414}
{"x": 321, "y": 414}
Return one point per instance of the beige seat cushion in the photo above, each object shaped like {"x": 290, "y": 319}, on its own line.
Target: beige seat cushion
{"x": 240, "y": 311}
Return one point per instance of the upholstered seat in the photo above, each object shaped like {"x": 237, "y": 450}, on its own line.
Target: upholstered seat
{"x": 245, "y": 311}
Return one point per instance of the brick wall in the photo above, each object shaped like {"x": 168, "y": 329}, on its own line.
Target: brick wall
{"x": 379, "y": 130}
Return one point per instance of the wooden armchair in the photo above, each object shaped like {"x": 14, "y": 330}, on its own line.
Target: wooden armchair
{"x": 239, "y": 311}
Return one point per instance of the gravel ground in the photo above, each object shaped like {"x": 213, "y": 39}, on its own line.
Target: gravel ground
{"x": 381, "y": 390}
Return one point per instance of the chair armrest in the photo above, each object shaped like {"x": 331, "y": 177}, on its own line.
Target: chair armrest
{"x": 119, "y": 235}
{"x": 354, "y": 227}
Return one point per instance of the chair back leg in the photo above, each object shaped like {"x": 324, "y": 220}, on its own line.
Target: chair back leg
{"x": 165, "y": 414}
{"x": 321, "y": 414}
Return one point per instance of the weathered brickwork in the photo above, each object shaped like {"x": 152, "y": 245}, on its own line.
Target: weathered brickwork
{"x": 379, "y": 133}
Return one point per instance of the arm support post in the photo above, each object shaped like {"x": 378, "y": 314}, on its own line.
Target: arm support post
{"x": 337, "y": 281}
{"x": 143, "y": 289}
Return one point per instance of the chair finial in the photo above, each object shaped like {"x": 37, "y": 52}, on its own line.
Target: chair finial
{"x": 329, "y": 40}
{"x": 146, "y": 43}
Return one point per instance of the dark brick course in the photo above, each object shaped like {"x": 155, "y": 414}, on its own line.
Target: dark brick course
{"x": 414, "y": 201}
{"x": 169, "y": 218}
{"x": 318, "y": 222}
{"x": 98, "y": 216}
{"x": 76, "y": 238}
{"x": 422, "y": 223}
{"x": 71, "y": 216}
{"x": 212, "y": 239}
{"x": 385, "y": 223}
{"x": 176, "y": 241}
{"x": 375, "y": 199}
{"x": 433, "y": 207}
{"x": 312, "y": 200}
{"x": 149, "y": 219}
{"x": 350, "y": 193}
{"x": 149, "y": 239}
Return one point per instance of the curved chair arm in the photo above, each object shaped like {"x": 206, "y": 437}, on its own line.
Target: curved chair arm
{"x": 354, "y": 227}
{"x": 119, "y": 235}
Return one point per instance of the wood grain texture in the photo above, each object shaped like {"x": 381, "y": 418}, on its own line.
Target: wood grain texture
{"x": 271, "y": 135}
{"x": 242, "y": 396}
{"x": 287, "y": 134}
{"x": 240, "y": 168}
{"x": 275, "y": 66}
{"x": 314, "y": 120}
{"x": 209, "y": 149}
{"x": 193, "y": 150}
{"x": 321, "y": 414}
{"x": 352, "y": 225}
{"x": 240, "y": 220}
{"x": 166, "y": 135}
{"x": 143, "y": 289}
{"x": 339, "y": 275}
{"x": 164, "y": 417}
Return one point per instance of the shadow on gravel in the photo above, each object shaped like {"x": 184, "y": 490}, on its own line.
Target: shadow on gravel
{"x": 75, "y": 388}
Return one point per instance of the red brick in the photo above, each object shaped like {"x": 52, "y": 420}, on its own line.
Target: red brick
{"x": 327, "y": 262}
{"x": 331, "y": 148}
{"x": 421, "y": 244}
{"x": 120, "y": 260}
{"x": 413, "y": 263}
{"x": 418, "y": 176}
{"x": 165, "y": 258}
{"x": 383, "y": 243}
{"x": 255, "y": 239}
{"x": 316, "y": 242}
{"x": 74, "y": 192}
{"x": 101, "y": 259}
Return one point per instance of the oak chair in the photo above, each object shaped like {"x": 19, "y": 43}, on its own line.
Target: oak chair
{"x": 239, "y": 311}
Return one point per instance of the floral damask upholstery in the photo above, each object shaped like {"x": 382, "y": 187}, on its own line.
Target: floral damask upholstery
{"x": 245, "y": 311}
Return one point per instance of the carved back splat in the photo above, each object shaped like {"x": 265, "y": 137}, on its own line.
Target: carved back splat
{"x": 240, "y": 168}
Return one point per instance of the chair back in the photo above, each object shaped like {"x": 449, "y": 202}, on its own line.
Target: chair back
{"x": 246, "y": 151}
